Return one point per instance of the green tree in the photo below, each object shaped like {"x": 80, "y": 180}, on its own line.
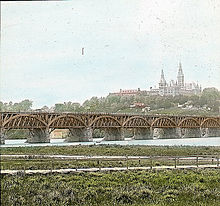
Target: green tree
{"x": 25, "y": 105}
{"x": 211, "y": 98}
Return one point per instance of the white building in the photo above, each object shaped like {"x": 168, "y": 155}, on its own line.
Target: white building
{"x": 173, "y": 88}
{"x": 179, "y": 87}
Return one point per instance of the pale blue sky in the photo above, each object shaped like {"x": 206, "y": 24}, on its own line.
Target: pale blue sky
{"x": 127, "y": 43}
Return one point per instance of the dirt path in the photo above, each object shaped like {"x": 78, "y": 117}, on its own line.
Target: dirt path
{"x": 63, "y": 171}
{"x": 103, "y": 157}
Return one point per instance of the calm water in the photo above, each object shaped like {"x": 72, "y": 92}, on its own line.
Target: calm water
{"x": 211, "y": 141}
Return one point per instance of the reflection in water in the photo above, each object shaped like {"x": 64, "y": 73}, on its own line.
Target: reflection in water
{"x": 211, "y": 141}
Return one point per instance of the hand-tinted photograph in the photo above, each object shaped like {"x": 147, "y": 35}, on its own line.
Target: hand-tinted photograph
{"x": 110, "y": 103}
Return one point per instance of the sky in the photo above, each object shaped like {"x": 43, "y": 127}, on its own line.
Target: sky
{"x": 126, "y": 44}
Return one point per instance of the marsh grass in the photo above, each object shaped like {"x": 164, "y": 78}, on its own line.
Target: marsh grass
{"x": 200, "y": 187}
{"x": 110, "y": 150}
{"x": 179, "y": 187}
{"x": 130, "y": 150}
{"x": 49, "y": 163}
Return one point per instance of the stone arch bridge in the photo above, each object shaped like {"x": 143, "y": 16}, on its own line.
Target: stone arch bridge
{"x": 81, "y": 125}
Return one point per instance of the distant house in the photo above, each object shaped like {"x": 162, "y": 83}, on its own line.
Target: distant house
{"x": 38, "y": 110}
{"x": 138, "y": 105}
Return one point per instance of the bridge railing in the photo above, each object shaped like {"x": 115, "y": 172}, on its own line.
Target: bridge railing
{"x": 105, "y": 113}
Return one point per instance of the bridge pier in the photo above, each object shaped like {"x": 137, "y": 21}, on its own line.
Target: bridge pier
{"x": 112, "y": 134}
{"x": 142, "y": 133}
{"x": 2, "y": 135}
{"x": 210, "y": 132}
{"x": 79, "y": 135}
{"x": 38, "y": 136}
{"x": 165, "y": 133}
{"x": 190, "y": 132}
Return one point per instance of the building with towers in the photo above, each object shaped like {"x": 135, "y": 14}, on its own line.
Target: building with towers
{"x": 172, "y": 88}
{"x": 179, "y": 87}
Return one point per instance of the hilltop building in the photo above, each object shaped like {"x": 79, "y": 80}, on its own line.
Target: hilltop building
{"x": 179, "y": 87}
{"x": 173, "y": 88}
{"x": 126, "y": 92}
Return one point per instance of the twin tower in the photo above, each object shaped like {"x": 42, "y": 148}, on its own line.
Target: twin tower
{"x": 180, "y": 78}
{"x": 178, "y": 87}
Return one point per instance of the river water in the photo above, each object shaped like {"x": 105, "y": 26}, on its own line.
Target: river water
{"x": 211, "y": 141}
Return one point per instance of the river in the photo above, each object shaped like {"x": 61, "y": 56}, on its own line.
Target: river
{"x": 211, "y": 141}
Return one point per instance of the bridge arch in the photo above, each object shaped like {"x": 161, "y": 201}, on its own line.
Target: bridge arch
{"x": 100, "y": 122}
{"x": 70, "y": 121}
{"x": 189, "y": 123}
{"x": 210, "y": 123}
{"x": 163, "y": 122}
{"x": 142, "y": 122}
{"x": 16, "y": 117}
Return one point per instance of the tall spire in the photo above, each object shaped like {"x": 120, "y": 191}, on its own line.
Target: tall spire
{"x": 162, "y": 79}
{"x": 162, "y": 74}
{"x": 162, "y": 84}
{"x": 180, "y": 72}
{"x": 180, "y": 76}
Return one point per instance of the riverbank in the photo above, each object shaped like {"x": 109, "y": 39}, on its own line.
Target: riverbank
{"x": 49, "y": 158}
{"x": 114, "y": 150}
{"x": 152, "y": 188}
{"x": 202, "y": 141}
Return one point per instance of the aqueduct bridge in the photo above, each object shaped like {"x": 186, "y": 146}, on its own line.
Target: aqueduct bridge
{"x": 82, "y": 125}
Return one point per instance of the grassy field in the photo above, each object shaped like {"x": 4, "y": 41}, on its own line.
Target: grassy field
{"x": 110, "y": 150}
{"x": 49, "y": 164}
{"x": 179, "y": 187}
{"x": 200, "y": 187}
{"x": 115, "y": 150}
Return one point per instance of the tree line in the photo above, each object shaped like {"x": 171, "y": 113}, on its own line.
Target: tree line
{"x": 208, "y": 99}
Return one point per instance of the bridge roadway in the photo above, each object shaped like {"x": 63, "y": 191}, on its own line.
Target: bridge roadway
{"x": 81, "y": 125}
